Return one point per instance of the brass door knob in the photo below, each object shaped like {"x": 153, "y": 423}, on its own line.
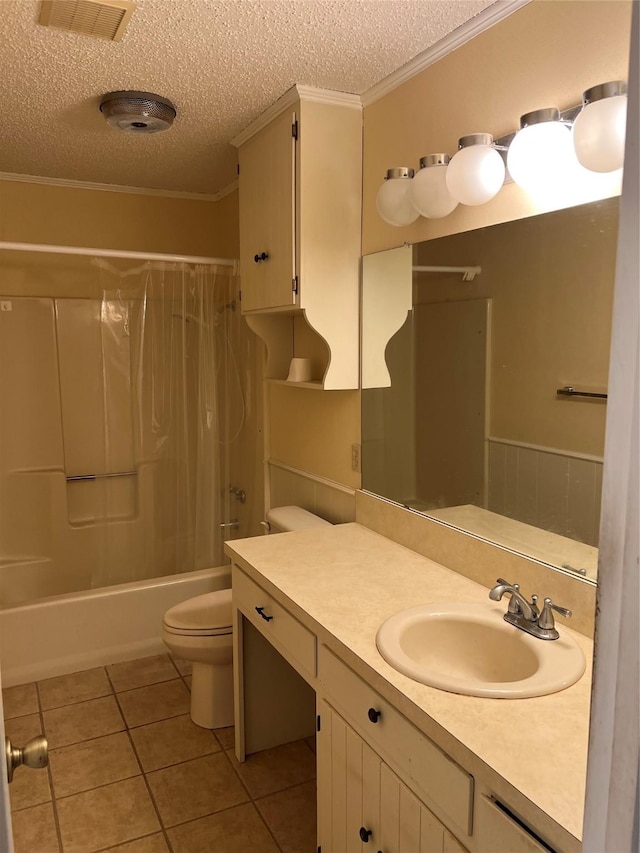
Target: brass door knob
{"x": 35, "y": 754}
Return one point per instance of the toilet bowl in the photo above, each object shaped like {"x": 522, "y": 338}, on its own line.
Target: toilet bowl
{"x": 199, "y": 630}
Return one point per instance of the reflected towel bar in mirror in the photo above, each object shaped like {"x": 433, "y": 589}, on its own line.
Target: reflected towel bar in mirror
{"x": 468, "y": 273}
{"x": 570, "y": 391}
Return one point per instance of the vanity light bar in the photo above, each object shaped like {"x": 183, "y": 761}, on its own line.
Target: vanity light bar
{"x": 596, "y": 140}
{"x": 502, "y": 143}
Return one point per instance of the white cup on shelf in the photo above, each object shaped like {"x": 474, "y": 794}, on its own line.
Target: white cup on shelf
{"x": 299, "y": 370}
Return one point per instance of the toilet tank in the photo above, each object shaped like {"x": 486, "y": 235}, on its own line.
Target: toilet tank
{"x": 282, "y": 519}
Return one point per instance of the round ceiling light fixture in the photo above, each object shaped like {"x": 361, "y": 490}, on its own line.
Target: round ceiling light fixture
{"x": 599, "y": 130}
{"x": 393, "y": 200}
{"x": 476, "y": 171}
{"x": 137, "y": 112}
{"x": 541, "y": 156}
{"x": 429, "y": 192}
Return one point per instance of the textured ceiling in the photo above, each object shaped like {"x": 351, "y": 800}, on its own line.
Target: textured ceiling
{"x": 221, "y": 62}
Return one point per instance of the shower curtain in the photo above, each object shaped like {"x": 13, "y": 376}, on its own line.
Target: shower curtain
{"x": 161, "y": 491}
{"x": 130, "y": 422}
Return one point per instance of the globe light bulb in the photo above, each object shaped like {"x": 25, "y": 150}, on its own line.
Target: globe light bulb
{"x": 541, "y": 155}
{"x": 429, "y": 192}
{"x": 393, "y": 201}
{"x": 599, "y": 130}
{"x": 476, "y": 172}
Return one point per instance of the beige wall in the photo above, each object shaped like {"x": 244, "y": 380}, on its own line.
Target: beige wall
{"x": 314, "y": 430}
{"x": 73, "y": 216}
{"x": 545, "y": 54}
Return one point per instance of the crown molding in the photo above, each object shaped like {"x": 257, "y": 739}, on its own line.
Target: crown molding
{"x": 329, "y": 96}
{"x": 483, "y": 21}
{"x": 290, "y": 98}
{"x": 116, "y": 188}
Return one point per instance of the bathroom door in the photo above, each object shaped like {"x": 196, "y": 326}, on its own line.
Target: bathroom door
{"x": 6, "y": 837}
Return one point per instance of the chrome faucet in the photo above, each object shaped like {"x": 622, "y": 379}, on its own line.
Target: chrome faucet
{"x": 518, "y": 604}
{"x": 524, "y": 614}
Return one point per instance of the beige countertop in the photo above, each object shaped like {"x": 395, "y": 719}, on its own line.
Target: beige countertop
{"x": 344, "y": 581}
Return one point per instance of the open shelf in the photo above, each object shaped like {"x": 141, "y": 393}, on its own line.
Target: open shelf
{"x": 315, "y": 385}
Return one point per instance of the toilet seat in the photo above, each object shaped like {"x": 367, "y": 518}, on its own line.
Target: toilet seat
{"x": 207, "y": 615}
{"x": 227, "y": 631}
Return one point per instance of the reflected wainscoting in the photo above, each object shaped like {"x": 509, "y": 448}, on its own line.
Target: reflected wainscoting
{"x": 551, "y": 489}
{"x": 326, "y": 498}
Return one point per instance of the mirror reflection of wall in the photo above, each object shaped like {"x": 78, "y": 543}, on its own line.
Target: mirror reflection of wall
{"x": 471, "y": 429}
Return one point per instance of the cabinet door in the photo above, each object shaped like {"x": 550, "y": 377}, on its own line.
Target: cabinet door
{"x": 399, "y": 816}
{"x": 357, "y": 790}
{"x": 267, "y": 216}
{"x": 348, "y": 787}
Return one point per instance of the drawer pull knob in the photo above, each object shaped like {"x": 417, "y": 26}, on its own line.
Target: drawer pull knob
{"x": 374, "y": 715}
{"x": 266, "y": 618}
{"x": 365, "y": 834}
{"x": 263, "y": 256}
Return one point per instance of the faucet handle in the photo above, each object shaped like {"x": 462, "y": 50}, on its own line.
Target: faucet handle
{"x": 534, "y": 606}
{"x": 514, "y": 604}
{"x": 546, "y": 619}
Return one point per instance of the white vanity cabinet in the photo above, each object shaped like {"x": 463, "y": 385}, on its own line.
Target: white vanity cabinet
{"x": 305, "y": 663}
{"x": 300, "y": 201}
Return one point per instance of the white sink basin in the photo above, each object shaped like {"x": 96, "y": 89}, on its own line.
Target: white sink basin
{"x": 470, "y": 649}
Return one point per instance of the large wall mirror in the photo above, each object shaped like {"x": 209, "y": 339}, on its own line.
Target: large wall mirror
{"x": 466, "y": 415}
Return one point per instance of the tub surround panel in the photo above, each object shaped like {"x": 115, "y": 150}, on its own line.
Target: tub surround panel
{"x": 343, "y": 582}
{"x": 93, "y": 362}
{"x": 477, "y": 559}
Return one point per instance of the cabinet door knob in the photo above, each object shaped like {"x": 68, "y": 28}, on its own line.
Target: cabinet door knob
{"x": 374, "y": 715}
{"x": 263, "y": 256}
{"x": 365, "y": 834}
{"x": 266, "y": 618}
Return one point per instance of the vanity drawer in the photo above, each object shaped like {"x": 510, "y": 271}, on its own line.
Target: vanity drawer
{"x": 289, "y": 636}
{"x": 496, "y": 829}
{"x": 437, "y": 780}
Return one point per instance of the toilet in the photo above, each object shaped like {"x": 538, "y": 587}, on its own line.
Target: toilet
{"x": 199, "y": 630}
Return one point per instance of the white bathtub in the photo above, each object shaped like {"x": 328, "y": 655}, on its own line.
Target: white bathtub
{"x": 68, "y": 633}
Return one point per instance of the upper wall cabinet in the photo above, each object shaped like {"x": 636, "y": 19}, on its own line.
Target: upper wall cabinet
{"x": 267, "y": 216}
{"x": 300, "y": 220}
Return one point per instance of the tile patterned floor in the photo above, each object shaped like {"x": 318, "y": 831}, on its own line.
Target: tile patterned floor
{"x": 130, "y": 772}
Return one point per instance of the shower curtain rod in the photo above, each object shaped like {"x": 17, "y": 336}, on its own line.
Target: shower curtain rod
{"x": 116, "y": 253}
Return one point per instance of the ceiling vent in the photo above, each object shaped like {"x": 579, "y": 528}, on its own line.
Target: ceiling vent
{"x": 105, "y": 19}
